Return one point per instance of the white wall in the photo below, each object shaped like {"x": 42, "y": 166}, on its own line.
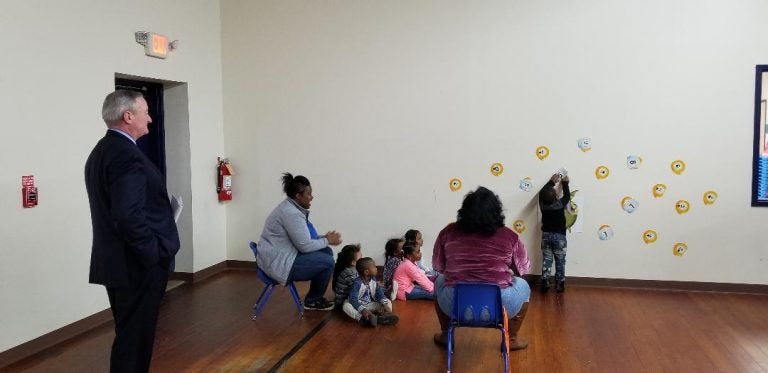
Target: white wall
{"x": 59, "y": 61}
{"x": 381, "y": 103}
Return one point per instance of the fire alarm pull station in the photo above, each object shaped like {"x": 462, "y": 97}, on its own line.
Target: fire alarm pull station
{"x": 28, "y": 191}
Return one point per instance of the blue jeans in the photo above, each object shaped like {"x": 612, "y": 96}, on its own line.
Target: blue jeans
{"x": 418, "y": 292}
{"x": 512, "y": 297}
{"x": 316, "y": 267}
{"x": 553, "y": 246}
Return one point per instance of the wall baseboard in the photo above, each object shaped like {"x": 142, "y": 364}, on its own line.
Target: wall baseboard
{"x": 70, "y": 331}
{"x": 200, "y": 275}
{"x": 55, "y": 337}
{"x": 717, "y": 287}
{"x": 100, "y": 318}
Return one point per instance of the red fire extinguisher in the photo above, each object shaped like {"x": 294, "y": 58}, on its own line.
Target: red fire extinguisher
{"x": 224, "y": 183}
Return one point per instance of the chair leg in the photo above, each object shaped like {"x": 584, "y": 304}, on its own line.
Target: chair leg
{"x": 262, "y": 301}
{"x": 258, "y": 301}
{"x": 450, "y": 346}
{"x": 296, "y": 299}
{"x": 505, "y": 350}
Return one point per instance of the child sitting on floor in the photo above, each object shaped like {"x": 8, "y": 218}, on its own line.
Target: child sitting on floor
{"x": 414, "y": 236}
{"x": 408, "y": 273}
{"x": 345, "y": 273}
{"x": 393, "y": 254}
{"x": 367, "y": 303}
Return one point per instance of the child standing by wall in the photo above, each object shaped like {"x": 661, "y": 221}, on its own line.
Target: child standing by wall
{"x": 345, "y": 273}
{"x": 366, "y": 302}
{"x": 393, "y": 254}
{"x": 408, "y": 273}
{"x": 553, "y": 242}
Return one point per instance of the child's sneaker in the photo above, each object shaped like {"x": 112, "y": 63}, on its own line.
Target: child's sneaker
{"x": 319, "y": 305}
{"x": 388, "y": 319}
{"x": 560, "y": 286}
{"x": 372, "y": 322}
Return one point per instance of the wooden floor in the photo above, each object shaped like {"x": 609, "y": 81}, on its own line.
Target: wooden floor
{"x": 207, "y": 328}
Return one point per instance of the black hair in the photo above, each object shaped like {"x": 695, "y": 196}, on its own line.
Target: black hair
{"x": 390, "y": 247}
{"x": 363, "y": 264}
{"x": 344, "y": 260}
{"x": 548, "y": 195}
{"x": 411, "y": 234}
{"x": 409, "y": 248}
{"x": 293, "y": 185}
{"x": 480, "y": 212}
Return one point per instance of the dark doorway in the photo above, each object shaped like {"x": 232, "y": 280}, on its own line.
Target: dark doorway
{"x": 153, "y": 143}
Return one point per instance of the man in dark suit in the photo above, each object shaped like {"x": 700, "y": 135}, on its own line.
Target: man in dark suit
{"x": 134, "y": 233}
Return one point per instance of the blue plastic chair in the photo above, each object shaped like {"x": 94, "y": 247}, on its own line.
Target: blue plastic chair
{"x": 269, "y": 286}
{"x": 477, "y": 305}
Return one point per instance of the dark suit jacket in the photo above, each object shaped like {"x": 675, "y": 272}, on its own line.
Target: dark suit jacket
{"x": 133, "y": 226}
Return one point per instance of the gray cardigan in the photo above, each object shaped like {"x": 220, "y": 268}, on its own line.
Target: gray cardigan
{"x": 285, "y": 235}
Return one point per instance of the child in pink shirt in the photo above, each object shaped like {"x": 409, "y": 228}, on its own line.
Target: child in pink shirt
{"x": 411, "y": 280}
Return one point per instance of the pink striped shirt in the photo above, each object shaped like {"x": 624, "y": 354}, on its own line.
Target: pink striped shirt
{"x": 406, "y": 274}
{"x": 464, "y": 257}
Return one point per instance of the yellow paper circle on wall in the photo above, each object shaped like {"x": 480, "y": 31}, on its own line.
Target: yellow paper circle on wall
{"x": 677, "y": 166}
{"x": 542, "y": 152}
{"x": 518, "y": 226}
{"x": 601, "y": 172}
{"x": 679, "y": 249}
{"x": 710, "y": 197}
{"x": 497, "y": 169}
{"x": 454, "y": 184}
{"x": 650, "y": 236}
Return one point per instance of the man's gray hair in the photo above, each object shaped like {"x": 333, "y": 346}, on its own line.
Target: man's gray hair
{"x": 117, "y": 103}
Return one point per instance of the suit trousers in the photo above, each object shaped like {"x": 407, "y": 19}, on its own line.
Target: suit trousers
{"x": 135, "y": 311}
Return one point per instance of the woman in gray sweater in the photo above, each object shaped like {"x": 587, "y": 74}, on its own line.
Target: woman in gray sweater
{"x": 290, "y": 248}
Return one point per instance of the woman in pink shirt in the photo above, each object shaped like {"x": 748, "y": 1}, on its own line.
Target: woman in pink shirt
{"x": 479, "y": 248}
{"x": 412, "y": 282}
